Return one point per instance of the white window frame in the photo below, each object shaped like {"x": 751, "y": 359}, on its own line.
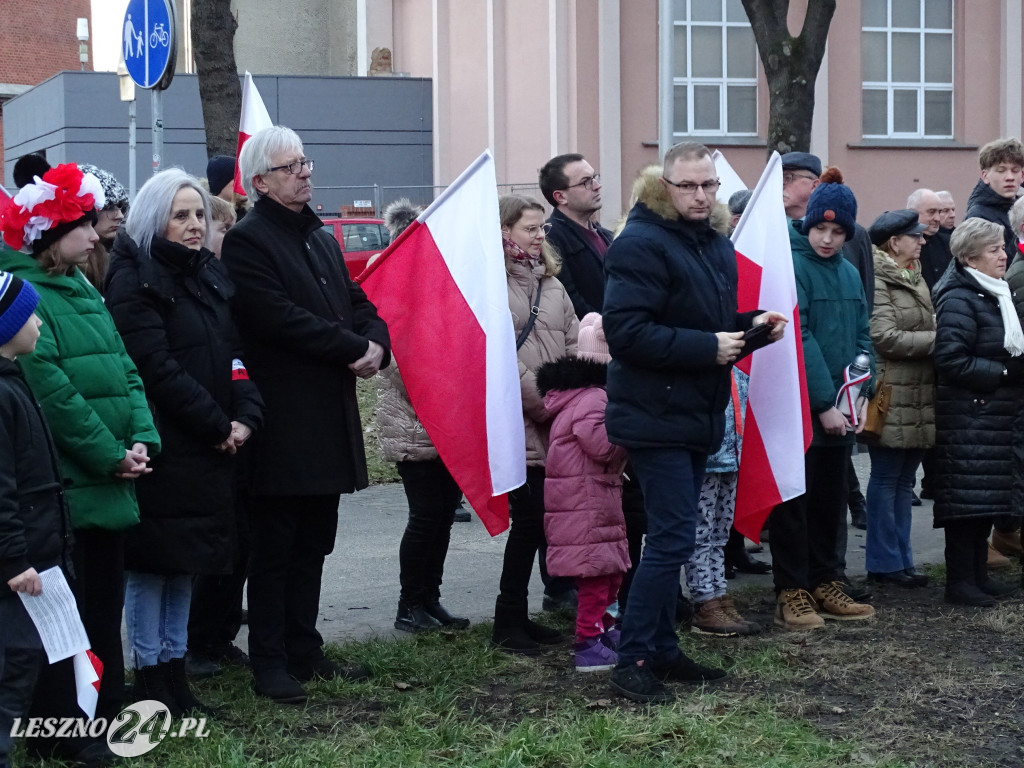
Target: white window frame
{"x": 722, "y": 82}
{"x": 890, "y": 86}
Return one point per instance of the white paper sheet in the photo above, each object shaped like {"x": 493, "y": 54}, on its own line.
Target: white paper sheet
{"x": 55, "y": 614}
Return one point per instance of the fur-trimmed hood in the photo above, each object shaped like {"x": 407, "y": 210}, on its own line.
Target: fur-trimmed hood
{"x": 649, "y": 190}
{"x": 569, "y": 373}
{"x": 399, "y": 215}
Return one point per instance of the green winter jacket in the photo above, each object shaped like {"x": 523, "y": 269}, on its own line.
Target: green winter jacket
{"x": 89, "y": 391}
{"x": 833, "y": 327}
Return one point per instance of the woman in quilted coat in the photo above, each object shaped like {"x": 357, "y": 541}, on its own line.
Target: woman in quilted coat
{"x": 583, "y": 522}
{"x": 903, "y": 333}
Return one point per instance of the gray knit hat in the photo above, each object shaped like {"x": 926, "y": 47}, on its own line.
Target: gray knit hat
{"x": 116, "y": 196}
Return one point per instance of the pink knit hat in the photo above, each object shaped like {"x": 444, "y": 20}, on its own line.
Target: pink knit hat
{"x": 592, "y": 343}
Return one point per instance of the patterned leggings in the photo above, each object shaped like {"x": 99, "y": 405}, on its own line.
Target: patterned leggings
{"x": 705, "y": 571}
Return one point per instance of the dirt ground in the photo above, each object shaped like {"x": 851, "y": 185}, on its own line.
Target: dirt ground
{"x": 928, "y": 683}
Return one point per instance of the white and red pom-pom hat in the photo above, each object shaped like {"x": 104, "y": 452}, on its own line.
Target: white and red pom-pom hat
{"x": 47, "y": 209}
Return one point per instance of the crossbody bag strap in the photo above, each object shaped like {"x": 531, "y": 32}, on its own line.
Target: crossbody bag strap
{"x": 534, "y": 311}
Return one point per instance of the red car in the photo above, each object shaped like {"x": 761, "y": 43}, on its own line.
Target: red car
{"x": 360, "y": 239}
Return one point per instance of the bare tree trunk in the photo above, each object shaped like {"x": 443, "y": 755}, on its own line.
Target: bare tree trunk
{"x": 213, "y": 36}
{"x": 791, "y": 66}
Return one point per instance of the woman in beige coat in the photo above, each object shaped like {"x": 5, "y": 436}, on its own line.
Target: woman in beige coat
{"x": 903, "y": 332}
{"x": 546, "y": 329}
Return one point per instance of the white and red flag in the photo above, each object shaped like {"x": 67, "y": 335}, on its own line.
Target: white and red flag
{"x": 88, "y": 673}
{"x": 441, "y": 289}
{"x": 254, "y": 118}
{"x": 777, "y": 427}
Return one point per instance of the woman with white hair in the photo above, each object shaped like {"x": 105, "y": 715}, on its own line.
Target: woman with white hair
{"x": 169, "y": 296}
{"x": 979, "y": 363}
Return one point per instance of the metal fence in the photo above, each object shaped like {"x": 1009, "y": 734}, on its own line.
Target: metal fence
{"x": 372, "y": 200}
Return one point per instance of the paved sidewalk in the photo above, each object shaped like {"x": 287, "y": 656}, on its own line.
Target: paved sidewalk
{"x": 360, "y": 589}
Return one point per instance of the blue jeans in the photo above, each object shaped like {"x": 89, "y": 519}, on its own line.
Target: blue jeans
{"x": 671, "y": 479}
{"x": 156, "y": 616}
{"x": 890, "y": 492}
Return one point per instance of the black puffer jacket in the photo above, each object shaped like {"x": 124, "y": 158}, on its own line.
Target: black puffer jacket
{"x": 979, "y": 456}
{"x": 171, "y": 308}
{"x": 34, "y": 528}
{"x": 582, "y": 272}
{"x": 302, "y": 321}
{"x": 985, "y": 203}
{"x": 671, "y": 286}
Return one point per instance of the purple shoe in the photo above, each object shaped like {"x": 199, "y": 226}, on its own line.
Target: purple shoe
{"x": 611, "y": 638}
{"x": 594, "y": 656}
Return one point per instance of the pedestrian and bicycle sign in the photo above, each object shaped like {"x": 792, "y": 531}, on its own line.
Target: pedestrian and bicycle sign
{"x": 148, "y": 43}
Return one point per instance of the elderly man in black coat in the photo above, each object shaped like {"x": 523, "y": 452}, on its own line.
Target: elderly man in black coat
{"x": 308, "y": 331}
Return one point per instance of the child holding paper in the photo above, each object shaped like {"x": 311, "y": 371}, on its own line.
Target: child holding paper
{"x": 34, "y": 530}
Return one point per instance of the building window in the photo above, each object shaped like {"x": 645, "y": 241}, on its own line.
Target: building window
{"x": 907, "y": 68}
{"x": 714, "y": 69}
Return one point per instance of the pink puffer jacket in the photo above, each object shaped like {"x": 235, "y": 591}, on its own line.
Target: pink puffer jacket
{"x": 583, "y": 522}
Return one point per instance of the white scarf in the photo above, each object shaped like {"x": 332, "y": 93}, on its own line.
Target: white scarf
{"x": 1013, "y": 336}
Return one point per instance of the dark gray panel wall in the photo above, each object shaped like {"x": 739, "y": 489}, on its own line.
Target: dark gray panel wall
{"x": 360, "y": 131}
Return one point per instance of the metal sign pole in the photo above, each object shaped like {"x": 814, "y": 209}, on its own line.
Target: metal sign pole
{"x": 131, "y": 150}
{"x": 158, "y": 127}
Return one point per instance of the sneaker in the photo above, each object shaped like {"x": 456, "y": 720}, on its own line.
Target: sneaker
{"x": 612, "y": 637}
{"x": 859, "y": 592}
{"x": 794, "y": 609}
{"x": 684, "y": 669}
{"x": 834, "y": 603}
{"x": 719, "y": 617}
{"x": 637, "y": 682}
{"x": 322, "y": 668}
{"x": 594, "y": 656}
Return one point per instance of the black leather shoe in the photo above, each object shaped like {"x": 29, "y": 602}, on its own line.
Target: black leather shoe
{"x": 997, "y": 589}
{"x": 415, "y": 618}
{"x": 684, "y": 669}
{"x": 515, "y": 641}
{"x": 462, "y": 515}
{"x": 920, "y": 580}
{"x": 744, "y": 563}
{"x": 278, "y": 685}
{"x": 438, "y": 612}
{"x": 899, "y": 578}
{"x": 915, "y": 500}
{"x": 320, "y": 667}
{"x": 541, "y": 634}
{"x": 962, "y": 593}
{"x": 859, "y": 593}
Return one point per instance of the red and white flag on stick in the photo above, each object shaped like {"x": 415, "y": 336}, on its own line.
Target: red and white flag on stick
{"x": 441, "y": 289}
{"x": 777, "y": 427}
{"x": 254, "y": 118}
{"x": 88, "y": 673}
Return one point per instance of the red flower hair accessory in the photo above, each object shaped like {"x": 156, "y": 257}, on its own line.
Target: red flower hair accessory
{"x": 64, "y": 195}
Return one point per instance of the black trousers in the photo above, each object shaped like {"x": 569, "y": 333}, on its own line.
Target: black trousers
{"x": 19, "y": 668}
{"x": 805, "y": 529}
{"x": 433, "y": 498}
{"x": 215, "y": 615}
{"x": 291, "y": 536}
{"x": 636, "y": 527}
{"x": 525, "y": 540}
{"x": 967, "y": 550}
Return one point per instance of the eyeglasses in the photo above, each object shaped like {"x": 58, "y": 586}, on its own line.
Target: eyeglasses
{"x": 689, "y": 188}
{"x": 788, "y": 177}
{"x": 587, "y": 183}
{"x": 294, "y": 167}
{"x": 538, "y": 229}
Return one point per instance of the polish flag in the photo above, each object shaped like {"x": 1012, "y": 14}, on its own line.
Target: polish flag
{"x": 729, "y": 179}
{"x": 440, "y": 286}
{"x": 777, "y": 426}
{"x": 88, "y": 672}
{"x": 254, "y": 118}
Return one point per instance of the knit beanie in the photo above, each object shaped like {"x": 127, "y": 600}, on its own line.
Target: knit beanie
{"x": 220, "y": 170}
{"x": 832, "y": 201}
{"x": 18, "y": 301}
{"x": 115, "y": 195}
{"x": 592, "y": 344}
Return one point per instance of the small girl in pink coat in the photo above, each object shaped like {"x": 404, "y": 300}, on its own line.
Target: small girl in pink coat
{"x": 583, "y": 522}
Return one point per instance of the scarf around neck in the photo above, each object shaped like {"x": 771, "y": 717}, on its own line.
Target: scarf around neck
{"x": 1013, "y": 336}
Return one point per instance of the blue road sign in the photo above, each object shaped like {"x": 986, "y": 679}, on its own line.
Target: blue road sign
{"x": 148, "y": 42}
